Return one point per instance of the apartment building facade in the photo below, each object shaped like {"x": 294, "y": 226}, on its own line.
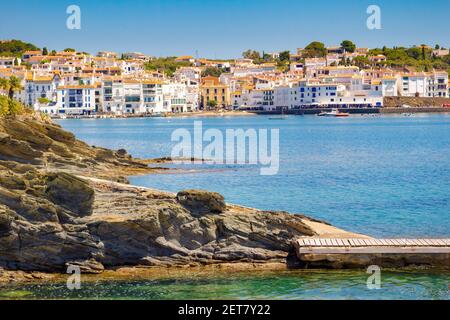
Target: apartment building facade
{"x": 75, "y": 100}
{"x": 213, "y": 94}
{"x": 434, "y": 84}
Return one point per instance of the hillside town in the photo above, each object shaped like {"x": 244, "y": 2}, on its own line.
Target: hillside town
{"x": 71, "y": 83}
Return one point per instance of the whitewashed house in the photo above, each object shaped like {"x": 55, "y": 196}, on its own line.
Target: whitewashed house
{"x": 175, "y": 97}
{"x": 413, "y": 84}
{"x": 40, "y": 87}
{"x": 75, "y": 100}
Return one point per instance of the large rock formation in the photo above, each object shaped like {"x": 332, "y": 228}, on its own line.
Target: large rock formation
{"x": 55, "y": 212}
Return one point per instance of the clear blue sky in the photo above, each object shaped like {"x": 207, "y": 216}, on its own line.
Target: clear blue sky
{"x": 222, "y": 28}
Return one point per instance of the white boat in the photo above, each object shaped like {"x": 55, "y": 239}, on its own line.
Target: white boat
{"x": 333, "y": 113}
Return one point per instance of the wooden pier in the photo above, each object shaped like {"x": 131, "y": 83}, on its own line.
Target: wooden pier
{"x": 371, "y": 246}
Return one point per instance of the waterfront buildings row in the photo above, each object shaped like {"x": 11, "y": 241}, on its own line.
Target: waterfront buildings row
{"x": 70, "y": 83}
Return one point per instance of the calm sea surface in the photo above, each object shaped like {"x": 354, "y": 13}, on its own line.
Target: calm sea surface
{"x": 385, "y": 176}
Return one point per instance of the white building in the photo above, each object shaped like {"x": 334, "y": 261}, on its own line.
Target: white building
{"x": 8, "y": 62}
{"x": 282, "y": 97}
{"x": 256, "y": 99}
{"x": 338, "y": 70}
{"x": 312, "y": 65}
{"x": 175, "y": 97}
{"x": 76, "y": 100}
{"x": 187, "y": 73}
{"x": 333, "y": 59}
{"x": 135, "y": 55}
{"x": 389, "y": 86}
{"x": 40, "y": 87}
{"x": 244, "y": 71}
{"x": 423, "y": 84}
{"x": 336, "y": 95}
{"x": 107, "y": 54}
{"x": 441, "y": 52}
{"x": 130, "y": 67}
{"x": 296, "y": 66}
{"x": 438, "y": 84}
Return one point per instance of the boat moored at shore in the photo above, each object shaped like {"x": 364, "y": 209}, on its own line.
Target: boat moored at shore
{"x": 333, "y": 113}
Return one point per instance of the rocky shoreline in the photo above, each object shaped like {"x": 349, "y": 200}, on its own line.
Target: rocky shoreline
{"x": 65, "y": 203}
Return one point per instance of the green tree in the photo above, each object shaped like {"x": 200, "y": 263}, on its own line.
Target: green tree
{"x": 251, "y": 54}
{"x": 419, "y": 57}
{"x": 69, "y": 50}
{"x": 212, "y": 71}
{"x": 15, "y": 107}
{"x": 414, "y": 52}
{"x": 424, "y": 55}
{"x": 15, "y": 48}
{"x": 315, "y": 50}
{"x": 9, "y": 107}
{"x": 166, "y": 65}
{"x": 440, "y": 65}
{"x": 14, "y": 85}
{"x": 4, "y": 84}
{"x": 284, "y": 56}
{"x": 44, "y": 100}
{"x": 212, "y": 104}
{"x": 361, "y": 61}
{"x": 348, "y": 46}
{"x": 45, "y": 51}
{"x": 4, "y": 106}
{"x": 342, "y": 61}
{"x": 267, "y": 57}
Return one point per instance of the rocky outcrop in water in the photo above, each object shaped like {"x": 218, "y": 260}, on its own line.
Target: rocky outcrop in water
{"x": 54, "y": 213}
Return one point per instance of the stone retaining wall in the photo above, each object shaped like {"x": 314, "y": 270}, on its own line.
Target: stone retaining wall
{"x": 393, "y": 102}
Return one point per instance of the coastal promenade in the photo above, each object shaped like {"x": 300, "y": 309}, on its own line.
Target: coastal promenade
{"x": 237, "y": 113}
{"x": 393, "y": 110}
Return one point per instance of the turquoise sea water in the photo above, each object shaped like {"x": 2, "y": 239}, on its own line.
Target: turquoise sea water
{"x": 289, "y": 285}
{"x": 386, "y": 176}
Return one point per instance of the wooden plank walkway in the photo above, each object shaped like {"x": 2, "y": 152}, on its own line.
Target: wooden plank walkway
{"x": 341, "y": 246}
